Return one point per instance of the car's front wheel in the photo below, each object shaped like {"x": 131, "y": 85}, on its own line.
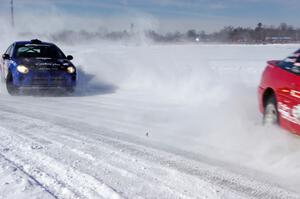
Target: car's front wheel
{"x": 70, "y": 90}
{"x": 2, "y": 75}
{"x": 11, "y": 88}
{"x": 271, "y": 112}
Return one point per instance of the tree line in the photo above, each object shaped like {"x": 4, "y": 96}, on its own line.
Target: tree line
{"x": 283, "y": 33}
{"x": 260, "y": 34}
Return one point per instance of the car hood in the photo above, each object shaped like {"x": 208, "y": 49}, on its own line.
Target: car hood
{"x": 45, "y": 63}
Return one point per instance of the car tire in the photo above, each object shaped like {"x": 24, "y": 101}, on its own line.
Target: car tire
{"x": 11, "y": 88}
{"x": 70, "y": 90}
{"x": 2, "y": 77}
{"x": 271, "y": 116}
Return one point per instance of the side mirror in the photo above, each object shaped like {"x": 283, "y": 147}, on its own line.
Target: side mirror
{"x": 69, "y": 57}
{"x": 5, "y": 56}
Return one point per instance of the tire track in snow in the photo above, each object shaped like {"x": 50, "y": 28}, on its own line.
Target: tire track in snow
{"x": 17, "y": 187}
{"x": 210, "y": 173}
{"x": 171, "y": 190}
{"x": 65, "y": 181}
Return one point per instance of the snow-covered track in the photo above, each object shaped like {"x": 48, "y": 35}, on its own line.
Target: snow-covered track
{"x": 152, "y": 121}
{"x": 86, "y": 162}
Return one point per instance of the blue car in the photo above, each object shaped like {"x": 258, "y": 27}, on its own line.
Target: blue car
{"x": 36, "y": 64}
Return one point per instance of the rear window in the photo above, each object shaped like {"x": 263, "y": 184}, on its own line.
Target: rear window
{"x": 291, "y": 65}
{"x": 38, "y": 51}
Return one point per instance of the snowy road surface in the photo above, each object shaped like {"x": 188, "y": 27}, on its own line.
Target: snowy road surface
{"x": 175, "y": 121}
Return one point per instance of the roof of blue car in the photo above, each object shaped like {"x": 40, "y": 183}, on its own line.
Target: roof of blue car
{"x": 296, "y": 52}
{"x": 30, "y": 42}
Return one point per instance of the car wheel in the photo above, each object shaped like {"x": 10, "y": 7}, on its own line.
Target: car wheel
{"x": 271, "y": 112}
{"x": 2, "y": 77}
{"x": 11, "y": 88}
{"x": 70, "y": 90}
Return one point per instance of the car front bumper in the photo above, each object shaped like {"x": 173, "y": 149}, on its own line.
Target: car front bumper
{"x": 47, "y": 79}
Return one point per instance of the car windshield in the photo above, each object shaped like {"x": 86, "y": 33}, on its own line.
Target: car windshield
{"x": 38, "y": 51}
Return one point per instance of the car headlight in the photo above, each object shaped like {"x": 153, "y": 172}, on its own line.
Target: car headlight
{"x": 71, "y": 69}
{"x": 22, "y": 69}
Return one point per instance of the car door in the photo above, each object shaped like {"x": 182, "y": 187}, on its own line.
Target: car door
{"x": 295, "y": 103}
{"x": 288, "y": 94}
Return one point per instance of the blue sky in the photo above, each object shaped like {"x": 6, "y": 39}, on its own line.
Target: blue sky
{"x": 208, "y": 14}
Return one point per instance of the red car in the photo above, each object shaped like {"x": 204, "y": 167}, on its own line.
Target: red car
{"x": 279, "y": 93}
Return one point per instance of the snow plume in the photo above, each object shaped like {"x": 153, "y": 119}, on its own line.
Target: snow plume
{"x": 58, "y": 26}
{"x": 207, "y": 96}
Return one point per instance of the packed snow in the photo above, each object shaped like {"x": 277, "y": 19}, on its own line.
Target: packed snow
{"x": 150, "y": 121}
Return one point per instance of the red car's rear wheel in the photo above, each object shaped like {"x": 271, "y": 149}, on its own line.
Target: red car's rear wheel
{"x": 271, "y": 112}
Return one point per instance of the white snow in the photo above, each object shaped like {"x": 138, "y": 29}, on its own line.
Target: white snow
{"x": 150, "y": 121}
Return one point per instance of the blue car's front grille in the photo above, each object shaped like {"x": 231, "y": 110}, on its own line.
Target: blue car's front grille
{"x": 53, "y": 81}
{"x": 46, "y": 79}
